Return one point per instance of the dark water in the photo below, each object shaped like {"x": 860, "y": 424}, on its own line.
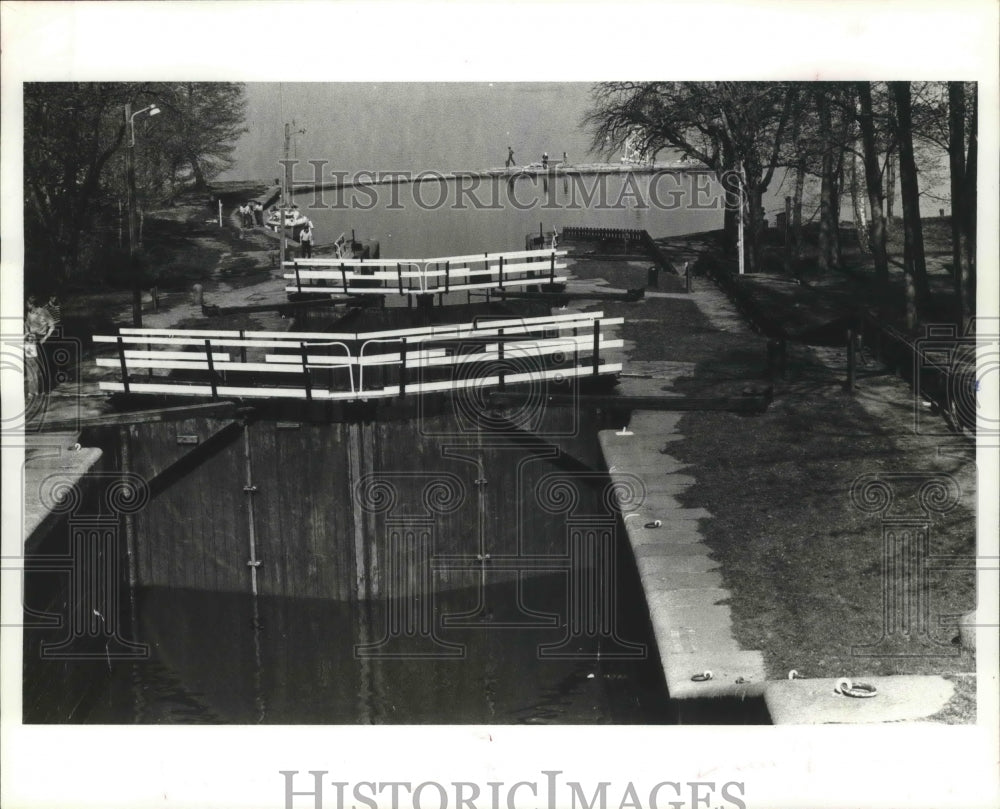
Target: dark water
{"x": 226, "y": 659}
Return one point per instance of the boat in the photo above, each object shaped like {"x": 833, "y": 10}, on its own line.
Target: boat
{"x": 294, "y": 218}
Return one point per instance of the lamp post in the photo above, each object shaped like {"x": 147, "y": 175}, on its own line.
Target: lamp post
{"x": 130, "y": 117}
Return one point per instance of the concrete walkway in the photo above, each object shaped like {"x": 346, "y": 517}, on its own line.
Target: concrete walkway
{"x": 683, "y": 584}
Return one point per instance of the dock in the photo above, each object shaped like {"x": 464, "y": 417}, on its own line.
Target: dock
{"x": 553, "y": 170}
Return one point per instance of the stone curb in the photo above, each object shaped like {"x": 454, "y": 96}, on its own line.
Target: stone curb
{"x": 692, "y": 625}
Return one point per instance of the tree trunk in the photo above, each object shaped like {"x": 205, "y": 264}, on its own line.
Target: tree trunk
{"x": 873, "y": 182}
{"x": 956, "y": 162}
{"x": 858, "y": 209}
{"x": 800, "y": 178}
{"x": 827, "y": 183}
{"x": 838, "y": 190}
{"x": 913, "y": 239}
{"x": 969, "y": 201}
{"x": 200, "y": 182}
{"x": 731, "y": 197}
{"x": 890, "y": 193}
{"x": 755, "y": 216}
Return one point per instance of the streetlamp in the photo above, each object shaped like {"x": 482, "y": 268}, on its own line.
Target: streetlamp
{"x": 130, "y": 117}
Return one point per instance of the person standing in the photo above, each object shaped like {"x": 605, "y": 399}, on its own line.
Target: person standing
{"x": 38, "y": 327}
{"x": 306, "y": 240}
{"x": 510, "y": 158}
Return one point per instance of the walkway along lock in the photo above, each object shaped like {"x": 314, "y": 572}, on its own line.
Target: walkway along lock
{"x": 490, "y": 352}
{"x": 443, "y": 275}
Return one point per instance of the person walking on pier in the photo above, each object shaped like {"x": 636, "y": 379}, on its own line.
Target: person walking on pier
{"x": 306, "y": 240}
{"x": 510, "y": 158}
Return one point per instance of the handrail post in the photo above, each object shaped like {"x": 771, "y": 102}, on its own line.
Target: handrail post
{"x": 211, "y": 369}
{"x": 447, "y": 276}
{"x": 121, "y": 359}
{"x": 305, "y": 369}
{"x": 343, "y": 276}
{"x": 399, "y": 276}
{"x": 552, "y": 269}
{"x": 500, "y": 356}
{"x": 402, "y": 369}
{"x": 597, "y": 346}
{"x": 298, "y": 279}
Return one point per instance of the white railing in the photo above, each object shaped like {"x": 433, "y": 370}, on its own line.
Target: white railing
{"x": 425, "y": 276}
{"x": 314, "y": 365}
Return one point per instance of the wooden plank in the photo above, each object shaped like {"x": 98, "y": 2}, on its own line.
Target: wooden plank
{"x": 218, "y": 409}
{"x": 271, "y": 339}
{"x": 543, "y": 253}
{"x": 391, "y": 289}
{"x": 131, "y": 331}
{"x": 756, "y": 403}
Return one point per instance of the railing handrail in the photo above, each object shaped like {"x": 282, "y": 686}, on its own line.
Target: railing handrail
{"x": 427, "y": 350}
{"x": 501, "y": 265}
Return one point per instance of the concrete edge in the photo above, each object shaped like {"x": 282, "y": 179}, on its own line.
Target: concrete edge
{"x": 898, "y": 698}
{"x": 693, "y": 628}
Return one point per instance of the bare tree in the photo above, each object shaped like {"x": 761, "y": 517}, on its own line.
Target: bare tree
{"x": 963, "y": 194}
{"x": 873, "y": 182}
{"x": 735, "y": 128}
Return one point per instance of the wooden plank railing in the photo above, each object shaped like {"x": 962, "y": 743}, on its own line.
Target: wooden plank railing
{"x": 426, "y": 276}
{"x": 351, "y": 366}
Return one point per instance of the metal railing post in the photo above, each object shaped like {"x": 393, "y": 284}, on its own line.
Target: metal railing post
{"x": 402, "y": 369}
{"x": 121, "y": 359}
{"x": 303, "y": 352}
{"x": 211, "y": 370}
{"x": 597, "y": 346}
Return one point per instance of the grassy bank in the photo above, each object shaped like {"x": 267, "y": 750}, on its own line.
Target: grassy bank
{"x": 804, "y": 564}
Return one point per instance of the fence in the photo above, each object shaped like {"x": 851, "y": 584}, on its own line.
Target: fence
{"x": 494, "y": 351}
{"x": 426, "y": 275}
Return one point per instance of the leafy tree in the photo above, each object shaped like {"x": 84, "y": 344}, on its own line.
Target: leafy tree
{"x": 203, "y": 121}
{"x": 75, "y": 135}
{"x": 71, "y": 133}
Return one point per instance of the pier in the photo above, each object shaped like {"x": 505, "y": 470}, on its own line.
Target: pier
{"x": 553, "y": 170}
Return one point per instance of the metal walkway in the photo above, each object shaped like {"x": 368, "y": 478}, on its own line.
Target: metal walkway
{"x": 424, "y": 276}
{"x": 490, "y": 352}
